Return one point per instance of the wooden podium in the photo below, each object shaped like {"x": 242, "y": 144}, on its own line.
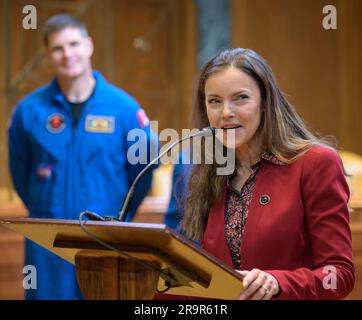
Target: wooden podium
{"x": 165, "y": 259}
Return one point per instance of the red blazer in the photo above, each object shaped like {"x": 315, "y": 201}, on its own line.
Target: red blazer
{"x": 302, "y": 235}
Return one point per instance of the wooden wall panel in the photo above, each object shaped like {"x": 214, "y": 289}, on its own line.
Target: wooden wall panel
{"x": 2, "y": 97}
{"x": 12, "y": 255}
{"x": 318, "y": 69}
{"x": 155, "y": 49}
{"x": 356, "y": 227}
{"x": 11, "y": 264}
{"x": 350, "y": 74}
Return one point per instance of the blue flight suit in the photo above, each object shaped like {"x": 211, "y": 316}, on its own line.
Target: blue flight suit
{"x": 60, "y": 169}
{"x": 180, "y": 176}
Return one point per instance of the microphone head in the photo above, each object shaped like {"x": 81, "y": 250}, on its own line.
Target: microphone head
{"x": 207, "y": 131}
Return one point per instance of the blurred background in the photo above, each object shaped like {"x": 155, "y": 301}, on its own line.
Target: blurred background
{"x": 154, "y": 50}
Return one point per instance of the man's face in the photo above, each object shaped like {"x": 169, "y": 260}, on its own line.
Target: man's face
{"x": 70, "y": 52}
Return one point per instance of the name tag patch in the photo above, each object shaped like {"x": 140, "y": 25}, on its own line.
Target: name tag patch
{"x": 99, "y": 124}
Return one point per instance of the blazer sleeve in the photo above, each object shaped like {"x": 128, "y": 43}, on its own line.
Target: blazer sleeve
{"x": 325, "y": 196}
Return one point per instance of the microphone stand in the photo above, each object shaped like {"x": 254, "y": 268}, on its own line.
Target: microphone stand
{"x": 170, "y": 279}
{"x": 122, "y": 214}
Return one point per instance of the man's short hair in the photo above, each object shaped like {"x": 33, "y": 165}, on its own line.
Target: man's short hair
{"x": 62, "y": 21}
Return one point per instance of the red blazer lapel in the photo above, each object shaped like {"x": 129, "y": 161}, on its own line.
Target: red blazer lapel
{"x": 214, "y": 240}
{"x": 260, "y": 203}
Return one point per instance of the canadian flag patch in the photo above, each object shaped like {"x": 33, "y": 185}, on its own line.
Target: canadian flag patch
{"x": 142, "y": 118}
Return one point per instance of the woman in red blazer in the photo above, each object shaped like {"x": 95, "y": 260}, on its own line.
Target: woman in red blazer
{"x": 281, "y": 218}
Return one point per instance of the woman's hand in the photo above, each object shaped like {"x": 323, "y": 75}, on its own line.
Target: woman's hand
{"x": 259, "y": 285}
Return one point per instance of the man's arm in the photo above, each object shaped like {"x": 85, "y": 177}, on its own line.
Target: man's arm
{"x": 147, "y": 141}
{"x": 19, "y": 153}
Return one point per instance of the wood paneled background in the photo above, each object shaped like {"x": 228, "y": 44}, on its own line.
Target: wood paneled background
{"x": 319, "y": 70}
{"x": 148, "y": 47}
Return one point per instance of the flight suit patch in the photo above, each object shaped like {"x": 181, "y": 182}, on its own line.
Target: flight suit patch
{"x": 55, "y": 123}
{"x": 99, "y": 124}
{"x": 142, "y": 118}
{"x": 44, "y": 171}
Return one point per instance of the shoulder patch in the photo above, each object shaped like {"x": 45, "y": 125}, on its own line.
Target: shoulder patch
{"x": 142, "y": 118}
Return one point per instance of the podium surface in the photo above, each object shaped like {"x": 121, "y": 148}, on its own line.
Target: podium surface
{"x": 197, "y": 273}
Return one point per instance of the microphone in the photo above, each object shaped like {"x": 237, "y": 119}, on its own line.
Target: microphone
{"x": 122, "y": 214}
{"x": 205, "y": 132}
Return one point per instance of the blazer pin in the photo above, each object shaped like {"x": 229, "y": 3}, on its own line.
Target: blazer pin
{"x": 264, "y": 199}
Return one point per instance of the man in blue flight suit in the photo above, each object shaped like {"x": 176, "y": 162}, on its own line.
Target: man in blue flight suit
{"x": 180, "y": 177}
{"x": 68, "y": 149}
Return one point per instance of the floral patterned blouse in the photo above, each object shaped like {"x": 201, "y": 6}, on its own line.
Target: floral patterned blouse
{"x": 237, "y": 207}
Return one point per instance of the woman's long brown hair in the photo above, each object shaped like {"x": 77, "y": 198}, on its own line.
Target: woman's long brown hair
{"x": 282, "y": 132}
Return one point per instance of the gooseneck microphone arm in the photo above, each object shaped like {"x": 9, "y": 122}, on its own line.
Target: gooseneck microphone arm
{"x": 123, "y": 212}
{"x": 170, "y": 279}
